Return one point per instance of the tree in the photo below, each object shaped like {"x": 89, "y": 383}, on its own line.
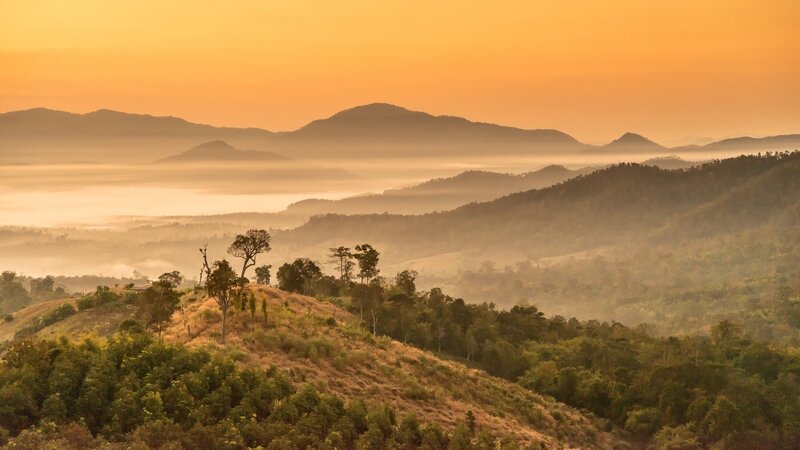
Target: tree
{"x": 205, "y": 269}
{"x": 343, "y": 257}
{"x": 249, "y": 245}
{"x": 405, "y": 281}
{"x": 298, "y": 276}
{"x": 171, "y": 279}
{"x": 264, "y": 310}
{"x": 262, "y": 274}
{"x": 367, "y": 258}
{"x": 252, "y": 306}
{"x": 471, "y": 424}
{"x": 12, "y": 294}
{"x": 221, "y": 284}
{"x": 159, "y": 301}
{"x": 42, "y": 286}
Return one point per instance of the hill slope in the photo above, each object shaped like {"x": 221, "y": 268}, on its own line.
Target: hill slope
{"x": 343, "y": 359}
{"x": 439, "y": 194}
{"x": 612, "y": 206}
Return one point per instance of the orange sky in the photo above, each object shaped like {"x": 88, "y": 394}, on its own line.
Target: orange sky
{"x": 671, "y": 70}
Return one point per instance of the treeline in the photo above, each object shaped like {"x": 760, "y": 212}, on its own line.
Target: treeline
{"x": 139, "y": 392}
{"x": 722, "y": 389}
{"x": 14, "y": 294}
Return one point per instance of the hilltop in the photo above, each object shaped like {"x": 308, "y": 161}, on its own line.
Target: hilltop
{"x": 632, "y": 143}
{"x": 220, "y": 151}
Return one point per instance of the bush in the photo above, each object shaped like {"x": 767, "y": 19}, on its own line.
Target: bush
{"x": 86, "y": 302}
{"x": 56, "y": 315}
{"x": 8, "y": 318}
{"x": 131, "y": 326}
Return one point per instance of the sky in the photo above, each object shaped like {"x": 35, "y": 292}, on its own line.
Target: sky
{"x": 676, "y": 71}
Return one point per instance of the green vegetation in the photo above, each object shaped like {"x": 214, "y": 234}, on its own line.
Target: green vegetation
{"x": 680, "y": 288}
{"x": 723, "y": 388}
{"x": 137, "y": 392}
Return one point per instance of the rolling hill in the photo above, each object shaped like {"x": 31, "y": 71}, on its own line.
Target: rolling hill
{"x": 614, "y": 206}
{"x": 439, "y": 194}
{"x": 317, "y": 342}
{"x": 631, "y": 143}
{"x": 220, "y": 151}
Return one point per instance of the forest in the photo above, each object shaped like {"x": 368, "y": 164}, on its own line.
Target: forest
{"x": 721, "y": 388}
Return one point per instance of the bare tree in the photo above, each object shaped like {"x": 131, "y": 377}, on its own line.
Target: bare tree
{"x": 205, "y": 269}
{"x": 247, "y": 246}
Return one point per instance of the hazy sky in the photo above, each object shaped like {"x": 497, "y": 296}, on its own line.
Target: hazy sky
{"x": 668, "y": 69}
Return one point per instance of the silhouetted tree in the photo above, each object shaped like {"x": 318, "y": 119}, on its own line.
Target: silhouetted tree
{"x": 249, "y": 245}
{"x": 159, "y": 301}
{"x": 262, "y": 274}
{"x": 222, "y": 284}
{"x": 343, "y": 257}
{"x": 368, "y": 259}
{"x": 298, "y": 276}
{"x": 406, "y": 282}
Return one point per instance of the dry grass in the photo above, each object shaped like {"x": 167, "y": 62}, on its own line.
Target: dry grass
{"x": 27, "y": 314}
{"x": 346, "y": 360}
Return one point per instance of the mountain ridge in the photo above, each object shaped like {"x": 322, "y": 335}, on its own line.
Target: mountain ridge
{"x": 376, "y": 130}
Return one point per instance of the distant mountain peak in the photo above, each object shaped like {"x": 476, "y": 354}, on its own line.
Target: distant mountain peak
{"x": 630, "y": 139}
{"x": 213, "y": 145}
{"x": 221, "y": 151}
{"x": 375, "y": 109}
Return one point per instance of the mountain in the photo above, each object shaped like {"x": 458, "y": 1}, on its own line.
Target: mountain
{"x": 382, "y": 130}
{"x": 220, "y": 151}
{"x": 439, "y": 194}
{"x": 629, "y": 143}
{"x": 373, "y": 131}
{"x": 43, "y": 135}
{"x": 786, "y": 142}
{"x": 632, "y": 142}
{"x": 321, "y": 344}
{"x": 370, "y": 131}
{"x": 610, "y": 207}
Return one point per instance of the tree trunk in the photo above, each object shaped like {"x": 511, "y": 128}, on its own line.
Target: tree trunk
{"x": 224, "y": 320}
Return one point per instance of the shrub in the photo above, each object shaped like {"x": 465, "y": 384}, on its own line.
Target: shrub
{"x": 86, "y": 302}
{"x": 56, "y": 315}
{"x": 8, "y": 318}
{"x": 131, "y": 326}
{"x": 211, "y": 315}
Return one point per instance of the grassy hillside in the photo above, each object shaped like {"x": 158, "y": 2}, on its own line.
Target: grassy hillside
{"x": 320, "y": 343}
